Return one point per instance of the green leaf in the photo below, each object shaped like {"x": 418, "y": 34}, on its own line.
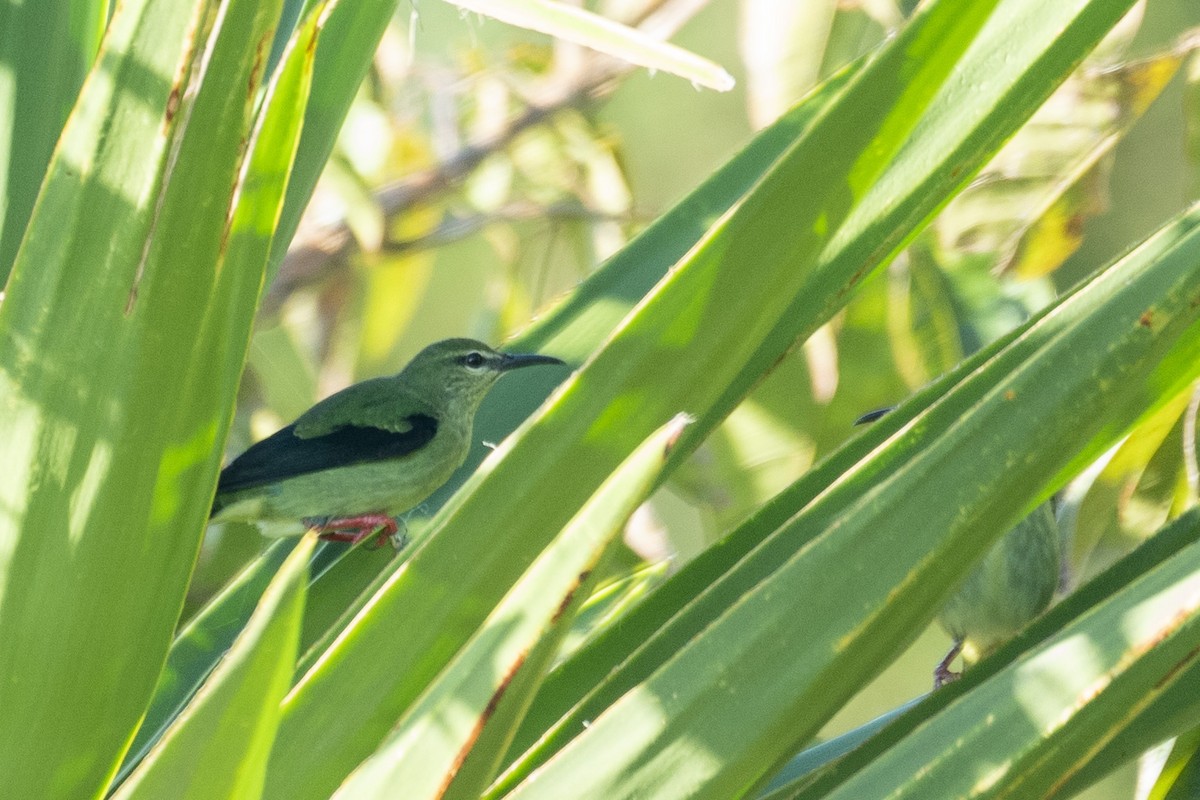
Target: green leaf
{"x": 692, "y": 599}
{"x": 199, "y": 647}
{"x": 46, "y": 49}
{"x": 1028, "y": 207}
{"x": 679, "y": 350}
{"x": 924, "y": 168}
{"x": 450, "y": 742}
{"x": 799, "y": 772}
{"x": 1087, "y": 383}
{"x": 343, "y": 57}
{"x": 196, "y": 650}
{"x": 1072, "y": 692}
{"x": 580, "y": 26}
{"x": 509, "y": 403}
{"x": 1179, "y": 778}
{"x": 581, "y": 321}
{"x": 1165, "y": 545}
{"x": 218, "y": 747}
{"x": 151, "y": 219}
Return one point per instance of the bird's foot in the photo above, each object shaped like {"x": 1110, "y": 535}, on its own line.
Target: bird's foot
{"x": 355, "y": 529}
{"x": 942, "y": 674}
{"x": 399, "y": 539}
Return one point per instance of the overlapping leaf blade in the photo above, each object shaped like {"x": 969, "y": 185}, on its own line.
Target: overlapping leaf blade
{"x": 576, "y": 329}
{"x": 197, "y": 649}
{"x": 1040, "y": 716}
{"x": 1011, "y": 432}
{"x": 112, "y": 418}
{"x": 451, "y": 741}
{"x": 677, "y": 352}
{"x": 695, "y": 597}
{"x": 217, "y": 748}
{"x": 877, "y": 224}
{"x": 825, "y": 777}
{"x": 46, "y": 50}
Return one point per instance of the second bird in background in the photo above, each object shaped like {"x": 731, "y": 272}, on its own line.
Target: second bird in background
{"x": 1009, "y": 588}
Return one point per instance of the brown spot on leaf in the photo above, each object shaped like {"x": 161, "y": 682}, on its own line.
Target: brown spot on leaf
{"x": 173, "y": 104}
{"x": 1147, "y": 318}
{"x": 1179, "y": 665}
{"x": 490, "y": 709}
{"x": 1009, "y": 394}
{"x": 566, "y": 601}
{"x": 256, "y": 69}
{"x": 854, "y": 278}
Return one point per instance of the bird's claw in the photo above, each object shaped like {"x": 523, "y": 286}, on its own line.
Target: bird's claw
{"x": 942, "y": 674}
{"x": 354, "y": 529}
{"x": 399, "y": 539}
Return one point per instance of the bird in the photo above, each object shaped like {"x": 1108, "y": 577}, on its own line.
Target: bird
{"x": 1013, "y": 584}
{"x": 1010, "y": 588}
{"x": 355, "y": 461}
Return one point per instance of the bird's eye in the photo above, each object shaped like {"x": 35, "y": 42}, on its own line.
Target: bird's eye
{"x": 473, "y": 360}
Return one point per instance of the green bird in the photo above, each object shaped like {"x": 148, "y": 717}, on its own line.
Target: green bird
{"x": 353, "y": 462}
{"x": 1011, "y": 587}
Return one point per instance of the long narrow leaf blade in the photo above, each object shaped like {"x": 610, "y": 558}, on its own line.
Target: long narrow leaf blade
{"x": 586, "y": 316}
{"x": 676, "y": 353}
{"x": 46, "y": 50}
{"x": 257, "y": 208}
{"x": 112, "y": 419}
{"x": 964, "y": 124}
{"x": 578, "y": 25}
{"x": 342, "y": 58}
{"x": 199, "y": 647}
{"x": 1073, "y": 692}
{"x": 1167, "y": 543}
{"x": 493, "y": 677}
{"x": 1084, "y": 388}
{"x": 218, "y": 747}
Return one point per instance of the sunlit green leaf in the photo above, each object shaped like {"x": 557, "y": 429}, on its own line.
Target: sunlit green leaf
{"x": 450, "y": 743}
{"x": 217, "y": 747}
{"x": 154, "y": 221}
{"x": 46, "y": 49}
{"x": 578, "y": 25}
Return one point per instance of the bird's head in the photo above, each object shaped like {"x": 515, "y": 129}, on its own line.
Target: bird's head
{"x": 462, "y": 371}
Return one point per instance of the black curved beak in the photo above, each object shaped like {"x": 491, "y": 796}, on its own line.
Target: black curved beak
{"x": 518, "y": 360}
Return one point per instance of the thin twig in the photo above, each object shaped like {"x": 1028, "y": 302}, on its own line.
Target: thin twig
{"x": 452, "y": 227}
{"x": 317, "y": 253}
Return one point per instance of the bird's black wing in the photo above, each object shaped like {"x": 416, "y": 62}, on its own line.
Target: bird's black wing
{"x": 284, "y": 455}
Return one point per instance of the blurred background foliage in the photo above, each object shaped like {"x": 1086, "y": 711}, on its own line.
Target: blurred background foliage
{"x": 484, "y": 170}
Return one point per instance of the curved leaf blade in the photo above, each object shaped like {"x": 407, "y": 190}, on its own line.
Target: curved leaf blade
{"x": 1088, "y": 384}
{"x": 450, "y": 742}
{"x": 676, "y": 352}
{"x": 112, "y": 419}
{"x": 218, "y": 747}
{"x": 580, "y": 26}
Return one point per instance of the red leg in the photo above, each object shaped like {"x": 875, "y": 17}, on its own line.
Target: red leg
{"x": 942, "y": 674}
{"x": 355, "y": 529}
